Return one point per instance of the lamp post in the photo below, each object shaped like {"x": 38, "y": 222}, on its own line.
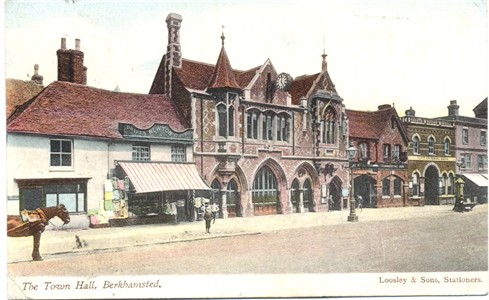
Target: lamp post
{"x": 351, "y": 152}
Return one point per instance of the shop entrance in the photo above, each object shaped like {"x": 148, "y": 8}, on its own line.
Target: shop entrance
{"x": 431, "y": 186}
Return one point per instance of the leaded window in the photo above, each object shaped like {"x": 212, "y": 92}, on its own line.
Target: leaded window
{"x": 264, "y": 188}
{"x": 140, "y": 152}
{"x": 252, "y": 125}
{"x": 330, "y": 124}
{"x": 397, "y": 186}
{"x": 446, "y": 146}
{"x": 415, "y": 145}
{"x": 178, "y": 153}
{"x": 431, "y": 145}
{"x": 386, "y": 187}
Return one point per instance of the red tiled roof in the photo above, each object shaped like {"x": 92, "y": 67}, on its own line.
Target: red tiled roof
{"x": 17, "y": 92}
{"x": 368, "y": 124}
{"x": 223, "y": 75}
{"x": 65, "y": 108}
{"x": 244, "y": 78}
{"x": 197, "y": 76}
{"x": 301, "y": 86}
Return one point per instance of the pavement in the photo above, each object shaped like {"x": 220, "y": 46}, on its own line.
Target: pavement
{"x": 57, "y": 241}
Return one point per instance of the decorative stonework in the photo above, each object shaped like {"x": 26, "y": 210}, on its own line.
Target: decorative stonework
{"x": 157, "y": 131}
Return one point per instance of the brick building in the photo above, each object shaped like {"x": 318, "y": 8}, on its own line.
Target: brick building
{"x": 380, "y": 169}
{"x": 431, "y": 159}
{"x": 471, "y": 149}
{"x": 266, "y": 143}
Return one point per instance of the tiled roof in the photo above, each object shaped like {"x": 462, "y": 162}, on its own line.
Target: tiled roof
{"x": 197, "y": 76}
{"x": 65, "y": 108}
{"x": 481, "y": 109}
{"x": 371, "y": 124}
{"x": 17, "y": 92}
{"x": 245, "y": 77}
{"x": 301, "y": 86}
{"x": 223, "y": 75}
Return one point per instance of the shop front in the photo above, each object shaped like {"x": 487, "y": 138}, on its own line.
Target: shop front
{"x": 154, "y": 192}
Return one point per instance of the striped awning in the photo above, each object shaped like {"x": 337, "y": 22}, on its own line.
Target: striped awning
{"x": 149, "y": 177}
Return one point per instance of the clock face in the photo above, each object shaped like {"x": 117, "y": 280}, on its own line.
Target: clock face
{"x": 284, "y": 81}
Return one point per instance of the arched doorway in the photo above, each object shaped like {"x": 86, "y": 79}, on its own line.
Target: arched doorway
{"x": 365, "y": 186}
{"x": 233, "y": 200}
{"x": 335, "y": 193}
{"x": 307, "y": 197}
{"x": 265, "y": 193}
{"x": 294, "y": 196}
{"x": 431, "y": 186}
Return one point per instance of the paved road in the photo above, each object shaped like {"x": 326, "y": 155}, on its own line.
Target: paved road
{"x": 438, "y": 241}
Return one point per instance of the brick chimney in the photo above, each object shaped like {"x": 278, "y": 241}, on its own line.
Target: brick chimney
{"x": 70, "y": 64}
{"x": 384, "y": 106}
{"x": 453, "y": 108}
{"x": 173, "y": 49}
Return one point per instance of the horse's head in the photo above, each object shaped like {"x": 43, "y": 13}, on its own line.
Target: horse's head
{"x": 63, "y": 214}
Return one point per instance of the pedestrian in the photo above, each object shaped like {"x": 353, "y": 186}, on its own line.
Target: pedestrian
{"x": 208, "y": 219}
{"x": 360, "y": 202}
{"x": 214, "y": 210}
{"x": 330, "y": 203}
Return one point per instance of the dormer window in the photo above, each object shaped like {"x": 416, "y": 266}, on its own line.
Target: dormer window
{"x": 363, "y": 146}
{"x": 387, "y": 152}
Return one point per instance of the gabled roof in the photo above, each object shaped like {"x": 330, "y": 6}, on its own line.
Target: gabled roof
{"x": 304, "y": 85}
{"x": 301, "y": 86}
{"x": 64, "y": 108}
{"x": 223, "y": 75}
{"x": 371, "y": 124}
{"x": 481, "y": 109}
{"x": 17, "y": 92}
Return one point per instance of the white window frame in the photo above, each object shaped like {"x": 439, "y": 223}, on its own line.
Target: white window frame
{"x": 61, "y": 153}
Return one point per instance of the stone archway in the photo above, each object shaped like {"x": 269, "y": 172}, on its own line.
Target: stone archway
{"x": 335, "y": 192}
{"x": 431, "y": 185}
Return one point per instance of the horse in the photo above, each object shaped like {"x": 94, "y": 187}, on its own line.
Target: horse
{"x": 35, "y": 224}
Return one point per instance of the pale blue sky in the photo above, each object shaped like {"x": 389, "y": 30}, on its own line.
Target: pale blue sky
{"x": 412, "y": 53}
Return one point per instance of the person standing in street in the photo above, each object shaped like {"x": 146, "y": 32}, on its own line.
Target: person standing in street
{"x": 208, "y": 219}
{"x": 360, "y": 202}
{"x": 330, "y": 203}
{"x": 214, "y": 210}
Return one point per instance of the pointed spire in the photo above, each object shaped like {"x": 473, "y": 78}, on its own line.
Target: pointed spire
{"x": 223, "y": 75}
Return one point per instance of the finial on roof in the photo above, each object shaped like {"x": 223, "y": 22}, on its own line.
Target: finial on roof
{"x": 324, "y": 64}
{"x": 222, "y": 36}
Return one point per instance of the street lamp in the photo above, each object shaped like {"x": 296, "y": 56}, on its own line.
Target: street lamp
{"x": 351, "y": 152}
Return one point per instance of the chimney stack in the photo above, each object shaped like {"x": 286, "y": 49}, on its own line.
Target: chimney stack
{"x": 70, "y": 64}
{"x": 173, "y": 56}
{"x": 453, "y": 108}
{"x": 36, "y": 77}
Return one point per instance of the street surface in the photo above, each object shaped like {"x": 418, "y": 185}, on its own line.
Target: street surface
{"x": 442, "y": 241}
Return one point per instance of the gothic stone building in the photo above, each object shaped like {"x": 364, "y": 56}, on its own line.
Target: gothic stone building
{"x": 266, "y": 143}
{"x": 431, "y": 159}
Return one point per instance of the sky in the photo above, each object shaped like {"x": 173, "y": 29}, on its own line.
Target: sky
{"x": 418, "y": 54}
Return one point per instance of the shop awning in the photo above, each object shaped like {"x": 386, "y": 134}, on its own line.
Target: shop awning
{"x": 478, "y": 179}
{"x": 156, "y": 177}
